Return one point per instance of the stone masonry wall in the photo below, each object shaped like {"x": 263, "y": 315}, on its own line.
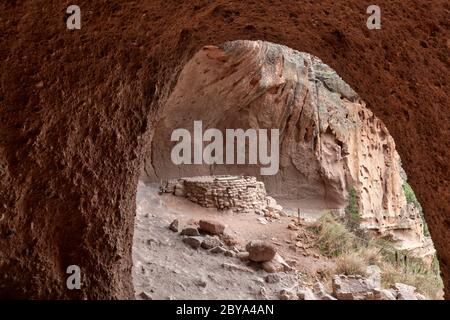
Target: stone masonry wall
{"x": 238, "y": 193}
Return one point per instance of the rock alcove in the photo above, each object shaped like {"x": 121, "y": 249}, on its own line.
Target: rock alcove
{"x": 77, "y": 114}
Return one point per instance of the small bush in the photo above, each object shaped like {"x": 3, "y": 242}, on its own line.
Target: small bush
{"x": 411, "y": 198}
{"x": 333, "y": 239}
{"x": 371, "y": 255}
{"x": 351, "y": 263}
{"x": 352, "y": 211}
{"x": 428, "y": 283}
{"x": 353, "y": 254}
{"x": 409, "y": 194}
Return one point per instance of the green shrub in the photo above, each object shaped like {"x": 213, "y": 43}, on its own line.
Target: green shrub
{"x": 333, "y": 239}
{"x": 411, "y": 198}
{"x": 352, "y": 211}
{"x": 410, "y": 195}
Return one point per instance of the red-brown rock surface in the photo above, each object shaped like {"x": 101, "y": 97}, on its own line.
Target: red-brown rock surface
{"x": 76, "y": 108}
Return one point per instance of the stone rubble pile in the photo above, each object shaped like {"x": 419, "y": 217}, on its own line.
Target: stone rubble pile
{"x": 357, "y": 287}
{"x": 211, "y": 236}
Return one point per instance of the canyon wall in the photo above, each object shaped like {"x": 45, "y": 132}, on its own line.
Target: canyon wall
{"x": 77, "y": 108}
{"x": 330, "y": 142}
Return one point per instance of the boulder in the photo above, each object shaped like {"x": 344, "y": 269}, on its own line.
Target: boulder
{"x": 229, "y": 239}
{"x": 260, "y": 251}
{"x": 235, "y": 267}
{"x": 385, "y": 294}
{"x": 272, "y": 278}
{"x": 321, "y": 293}
{"x": 405, "y": 292}
{"x": 319, "y": 289}
{"x": 287, "y": 294}
{"x": 145, "y": 296}
{"x": 306, "y": 294}
{"x": 194, "y": 242}
{"x": 212, "y": 227}
{"x": 218, "y": 250}
{"x": 174, "y": 225}
{"x": 373, "y": 273}
{"x": 192, "y": 232}
{"x": 229, "y": 253}
{"x": 352, "y": 288}
{"x": 211, "y": 242}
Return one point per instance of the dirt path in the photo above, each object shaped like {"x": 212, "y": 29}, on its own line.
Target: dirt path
{"x": 166, "y": 268}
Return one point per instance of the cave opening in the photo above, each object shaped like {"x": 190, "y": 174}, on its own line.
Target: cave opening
{"x": 335, "y": 158}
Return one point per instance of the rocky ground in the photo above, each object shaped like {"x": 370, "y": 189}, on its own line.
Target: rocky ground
{"x": 184, "y": 251}
{"x": 167, "y": 268}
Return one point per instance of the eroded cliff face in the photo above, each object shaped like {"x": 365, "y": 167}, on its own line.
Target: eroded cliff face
{"x": 76, "y": 107}
{"x": 330, "y": 141}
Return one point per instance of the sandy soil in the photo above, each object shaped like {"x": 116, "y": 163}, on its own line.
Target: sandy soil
{"x": 166, "y": 268}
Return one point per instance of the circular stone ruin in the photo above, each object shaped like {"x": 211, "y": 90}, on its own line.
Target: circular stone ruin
{"x": 241, "y": 194}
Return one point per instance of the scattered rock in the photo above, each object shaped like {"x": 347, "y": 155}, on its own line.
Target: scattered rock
{"x": 405, "y": 292}
{"x": 229, "y": 240}
{"x": 287, "y": 294}
{"x": 174, "y": 225}
{"x": 271, "y": 202}
{"x": 190, "y": 231}
{"x": 353, "y": 288}
{"x": 260, "y": 251}
{"x": 292, "y": 226}
{"x": 145, "y": 296}
{"x": 212, "y": 227}
{"x": 306, "y": 294}
{"x": 272, "y": 278}
{"x": 151, "y": 240}
{"x": 229, "y": 253}
{"x": 179, "y": 190}
{"x": 374, "y": 275}
{"x": 211, "y": 242}
{"x": 271, "y": 214}
{"x": 327, "y": 297}
{"x": 385, "y": 294}
{"x": 236, "y": 250}
{"x": 421, "y": 296}
{"x": 200, "y": 283}
{"x": 243, "y": 256}
{"x": 319, "y": 290}
{"x": 262, "y": 220}
{"x": 283, "y": 214}
{"x": 277, "y": 264}
{"x": 218, "y": 250}
{"x": 235, "y": 267}
{"x": 194, "y": 242}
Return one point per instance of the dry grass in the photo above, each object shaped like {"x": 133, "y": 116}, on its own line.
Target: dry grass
{"x": 351, "y": 264}
{"x": 352, "y": 256}
{"x": 333, "y": 239}
{"x": 428, "y": 283}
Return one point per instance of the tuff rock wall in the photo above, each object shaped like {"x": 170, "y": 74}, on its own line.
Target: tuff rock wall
{"x": 76, "y": 109}
{"x": 330, "y": 142}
